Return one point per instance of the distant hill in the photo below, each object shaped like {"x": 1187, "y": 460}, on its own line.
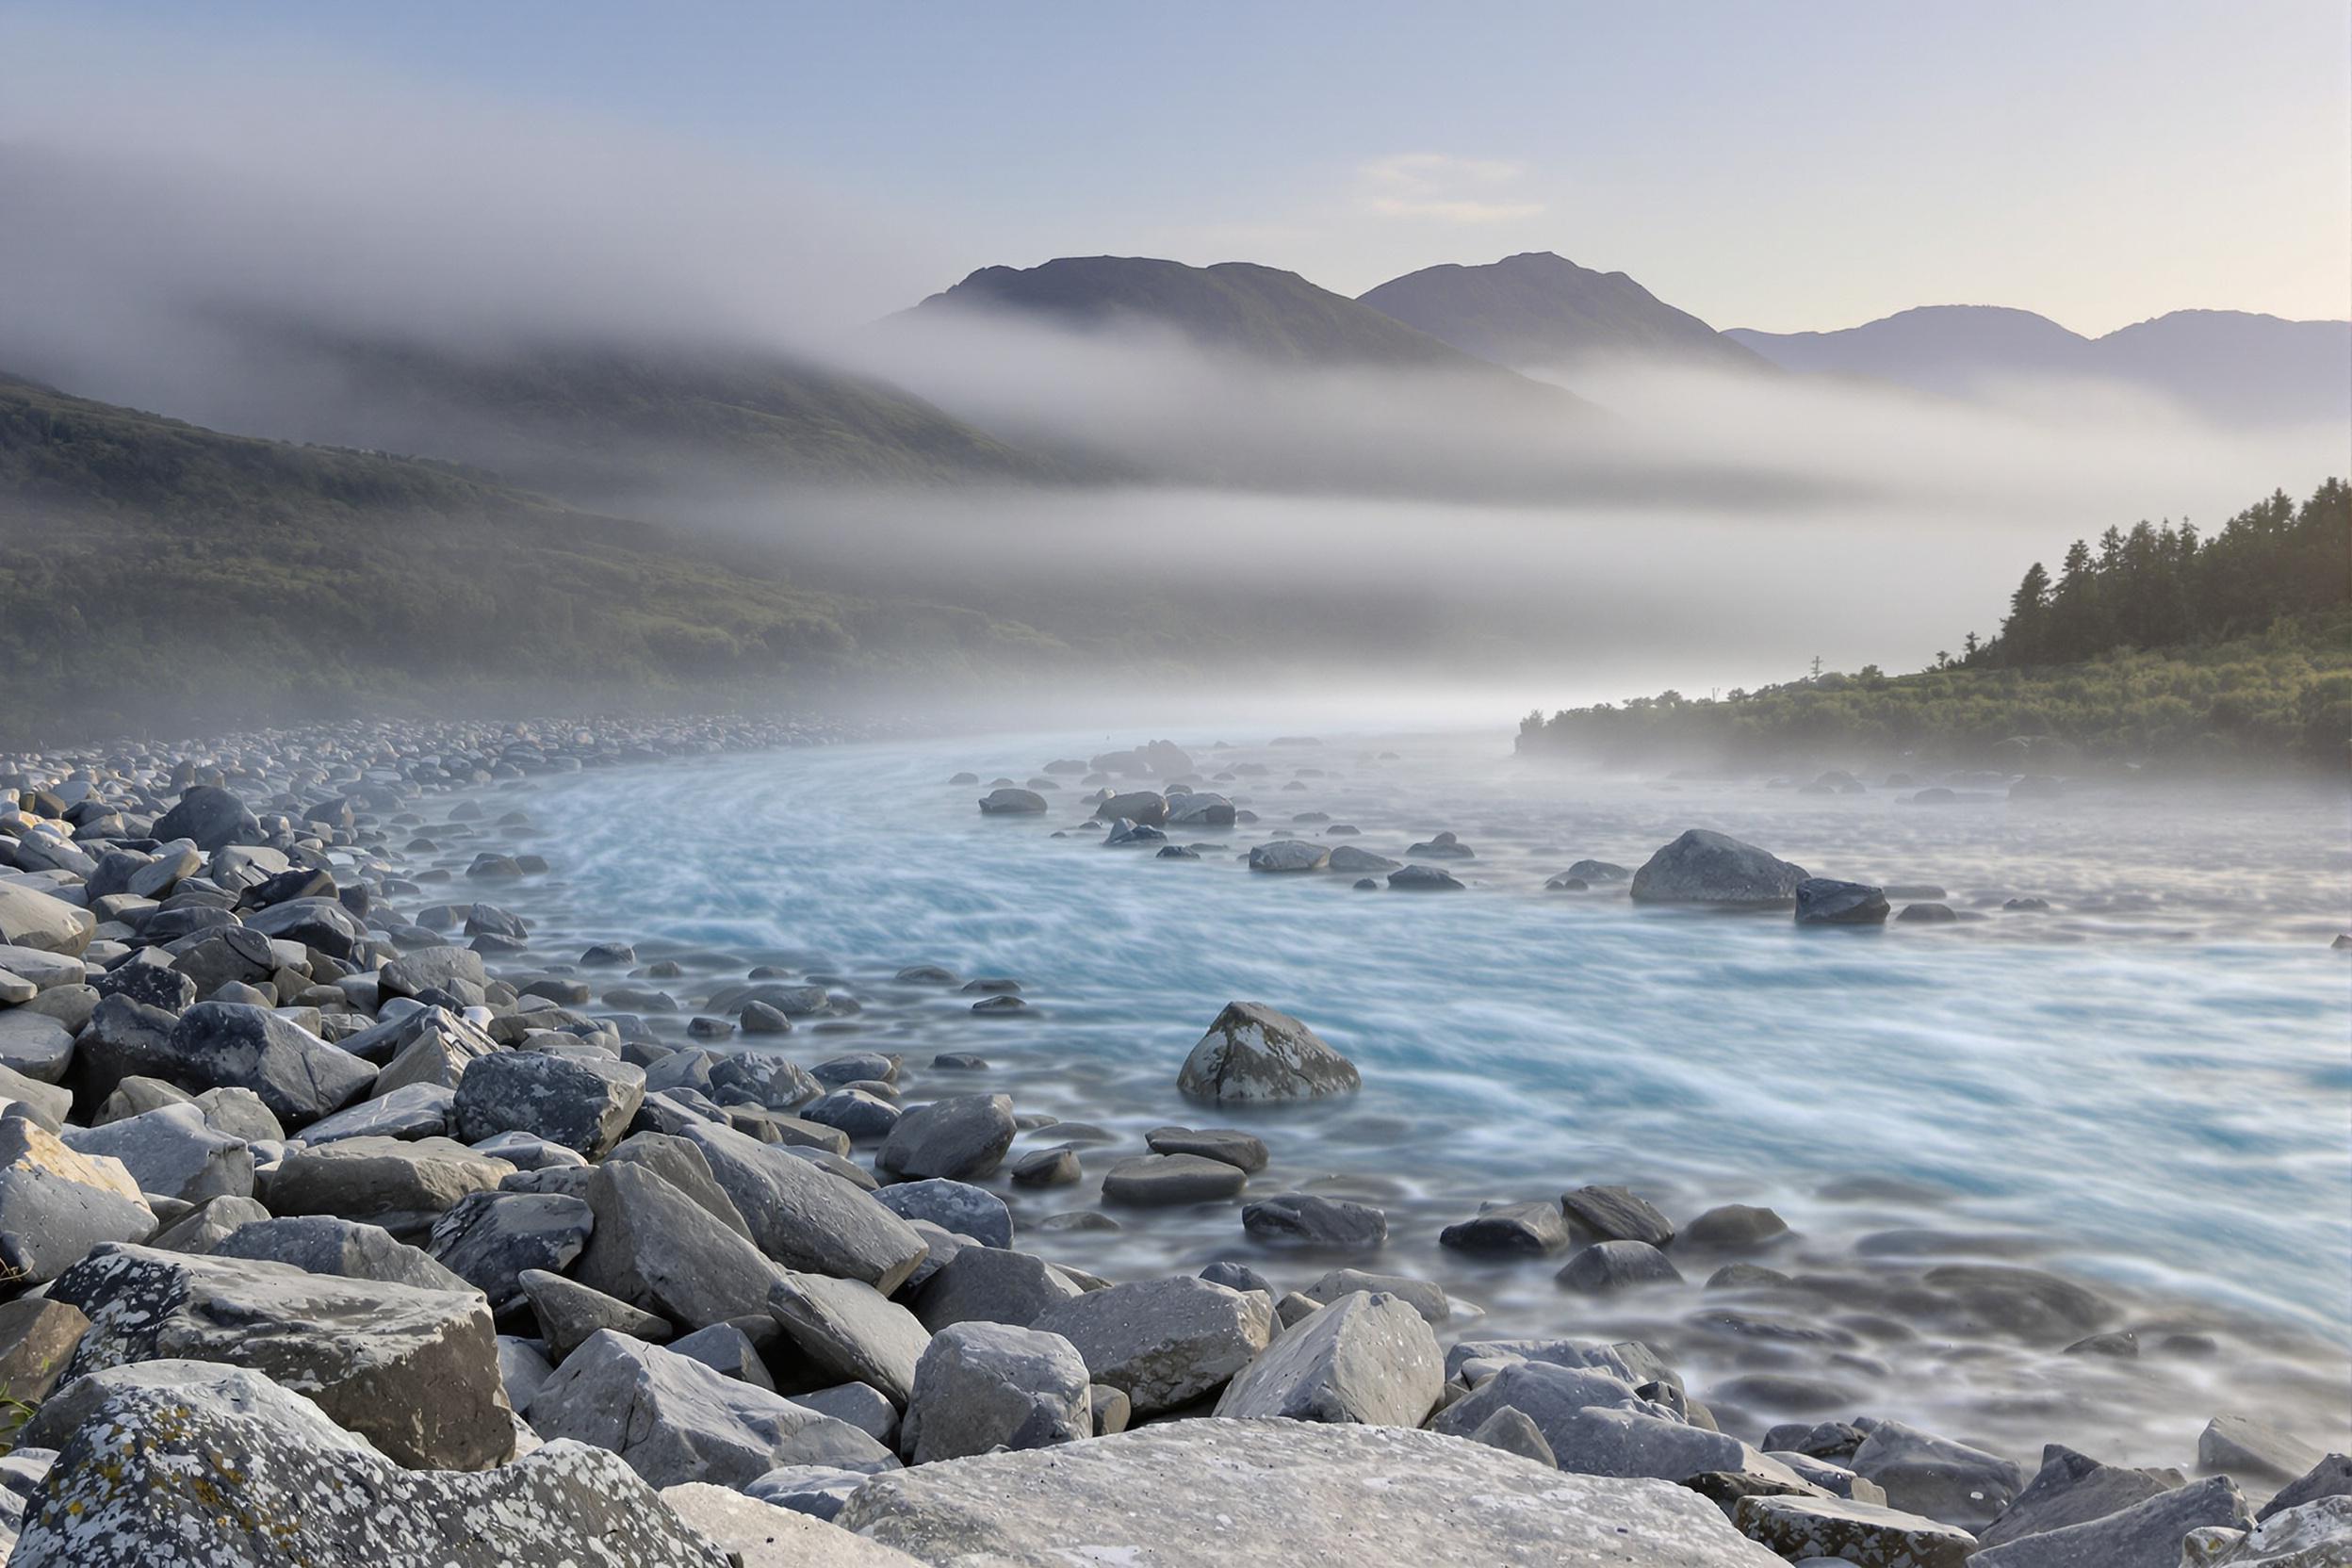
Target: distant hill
{"x": 600, "y": 425}
{"x": 1539, "y": 311}
{"x": 150, "y": 570}
{"x": 1235, "y": 305}
{"x": 2224, "y": 365}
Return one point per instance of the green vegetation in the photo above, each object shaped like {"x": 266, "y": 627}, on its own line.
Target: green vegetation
{"x": 2235, "y": 649}
{"x": 150, "y": 569}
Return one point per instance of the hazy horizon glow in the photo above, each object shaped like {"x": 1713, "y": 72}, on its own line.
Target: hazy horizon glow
{"x": 2099, "y": 163}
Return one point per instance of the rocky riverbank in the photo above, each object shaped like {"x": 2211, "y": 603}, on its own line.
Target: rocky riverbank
{"x": 344, "y": 1222}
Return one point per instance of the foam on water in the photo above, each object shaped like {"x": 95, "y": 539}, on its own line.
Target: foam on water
{"x": 2147, "y": 1088}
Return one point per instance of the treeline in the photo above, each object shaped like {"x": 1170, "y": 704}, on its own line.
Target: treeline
{"x": 2158, "y": 647}
{"x": 2164, "y": 587}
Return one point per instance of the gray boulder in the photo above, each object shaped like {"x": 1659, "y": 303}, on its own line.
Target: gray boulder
{"x": 570, "y": 1313}
{"x": 1510, "y": 1230}
{"x": 1164, "y": 1343}
{"x": 30, "y": 917}
{"x": 1244, "y": 1151}
{"x": 723, "y": 1347}
{"x": 2318, "y": 1534}
{"x": 1425, "y": 1296}
{"x": 401, "y": 1185}
{"x": 1946, "y": 1481}
{"x": 2330, "y": 1478}
{"x": 1363, "y": 1358}
{"x": 175, "y": 1462}
{"x": 1799, "y": 1528}
{"x": 1253, "y": 1052}
{"x": 210, "y": 818}
{"x": 2245, "y": 1446}
{"x": 981, "y": 1386}
{"x": 2071, "y": 1489}
{"x": 674, "y": 1420}
{"x": 1298, "y": 1495}
{"x": 1304, "y": 1219}
{"x": 56, "y": 1204}
{"x": 960, "y": 1138}
{"x": 758, "y": 1534}
{"x": 410, "y": 1111}
{"x": 991, "y": 1285}
{"x": 203, "y": 1227}
{"x": 416, "y": 1372}
{"x": 805, "y": 1218}
{"x": 173, "y": 1152}
{"x": 658, "y": 1249}
{"x": 851, "y": 1331}
{"x": 2146, "y": 1535}
{"x": 1822, "y": 901}
{"x": 1160, "y": 1180}
{"x": 489, "y": 1239}
{"x": 36, "y": 1046}
{"x": 582, "y": 1103}
{"x": 1704, "y": 867}
{"x": 1611, "y": 1265}
{"x": 321, "y": 1243}
{"x": 233, "y": 1045}
{"x": 957, "y": 1206}
{"x": 1289, "y": 855}
{"x": 1012, "y": 803}
{"x": 1512, "y": 1431}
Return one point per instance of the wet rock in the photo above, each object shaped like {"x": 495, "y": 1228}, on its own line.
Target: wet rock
{"x": 2245, "y": 1446}
{"x": 2145, "y": 1535}
{"x": 862, "y": 1116}
{"x": 673, "y": 1420}
{"x": 1164, "y": 1343}
{"x": 851, "y": 1329}
{"x": 2071, "y": 1489}
{"x": 1822, "y": 900}
{"x": 416, "y": 1372}
{"x": 1611, "y": 1265}
{"x": 1288, "y": 856}
{"x": 1366, "y": 1358}
{"x": 2330, "y": 1478}
{"x": 1859, "y": 1533}
{"x": 1924, "y": 1473}
{"x": 2024, "y": 1302}
{"x": 1428, "y": 1299}
{"x": 1704, "y": 867}
{"x": 1445, "y": 846}
{"x": 1734, "y": 1228}
{"x": 1146, "y": 808}
{"x": 1304, "y": 1219}
{"x": 176, "y": 1462}
{"x": 1615, "y": 1214}
{"x": 1012, "y": 803}
{"x": 1047, "y": 1168}
{"x": 961, "y": 1139}
{"x": 1423, "y": 879}
{"x": 982, "y": 1386}
{"x": 2316, "y": 1535}
{"x": 1187, "y": 1492}
{"x": 1253, "y": 1052}
{"x": 1158, "y": 1180}
{"x": 1244, "y": 1151}
{"x": 1926, "y": 914}
{"x": 321, "y": 1243}
{"x": 1352, "y": 860}
{"x": 1510, "y": 1230}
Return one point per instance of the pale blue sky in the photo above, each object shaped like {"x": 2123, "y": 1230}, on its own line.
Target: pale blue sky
{"x": 1783, "y": 166}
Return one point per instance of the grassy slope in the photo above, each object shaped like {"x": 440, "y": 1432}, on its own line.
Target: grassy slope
{"x": 2284, "y": 694}
{"x": 147, "y": 565}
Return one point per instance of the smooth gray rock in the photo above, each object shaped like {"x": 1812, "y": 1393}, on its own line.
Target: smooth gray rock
{"x": 991, "y": 1285}
{"x": 1612, "y": 1265}
{"x": 210, "y": 818}
{"x": 817, "y": 1491}
{"x": 2245, "y": 1446}
{"x": 321, "y": 1243}
{"x": 455, "y": 969}
{"x": 401, "y": 1185}
{"x": 2330, "y": 1478}
{"x": 1427, "y": 1297}
{"x": 1510, "y": 1230}
{"x": 523, "y": 1366}
{"x": 35, "y": 1046}
{"x": 1363, "y": 1358}
{"x": 571, "y": 1313}
{"x": 1734, "y": 1228}
{"x": 298, "y": 1075}
{"x": 30, "y": 917}
{"x": 1704, "y": 867}
{"x": 173, "y": 1152}
{"x": 2024, "y": 1303}
{"x": 961, "y": 1139}
{"x": 1244, "y": 1151}
{"x": 1614, "y": 1213}
{"x": 762, "y": 1535}
{"x": 1288, "y": 856}
{"x": 851, "y": 1329}
{"x": 1164, "y": 1342}
{"x": 177, "y": 1461}
{"x": 1162, "y": 1180}
{"x": 673, "y": 1419}
{"x": 2146, "y": 1535}
{"x": 1822, "y": 900}
{"x": 1510, "y": 1429}
{"x": 807, "y": 1219}
{"x": 1925, "y": 1474}
{"x": 2317, "y": 1534}
{"x": 2070, "y": 1489}
{"x": 862, "y": 1405}
{"x": 489, "y": 1238}
{"x": 410, "y": 1111}
{"x": 1287, "y": 1494}
{"x": 582, "y": 1103}
{"x": 203, "y": 1227}
{"x": 957, "y": 1206}
{"x": 655, "y": 1248}
{"x": 416, "y": 1372}
{"x": 1012, "y": 803}
{"x": 981, "y": 1386}
{"x": 1865, "y": 1534}
{"x": 1254, "y": 1052}
{"x": 1303, "y": 1219}
{"x": 723, "y": 1347}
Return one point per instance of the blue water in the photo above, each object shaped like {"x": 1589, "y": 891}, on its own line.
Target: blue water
{"x": 2147, "y": 1088}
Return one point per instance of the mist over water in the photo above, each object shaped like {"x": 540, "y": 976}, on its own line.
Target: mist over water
{"x": 2142, "y": 1090}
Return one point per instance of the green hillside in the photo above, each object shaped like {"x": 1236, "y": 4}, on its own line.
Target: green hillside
{"x": 149, "y": 568}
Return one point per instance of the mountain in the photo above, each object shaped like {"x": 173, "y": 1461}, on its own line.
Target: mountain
{"x": 601, "y": 424}
{"x": 1541, "y": 311}
{"x": 1235, "y": 305}
{"x": 2224, "y": 365}
{"x": 151, "y": 569}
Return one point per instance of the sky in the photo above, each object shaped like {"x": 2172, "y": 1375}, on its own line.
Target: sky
{"x": 1781, "y": 166}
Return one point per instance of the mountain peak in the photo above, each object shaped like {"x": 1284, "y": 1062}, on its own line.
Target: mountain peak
{"x": 1540, "y": 310}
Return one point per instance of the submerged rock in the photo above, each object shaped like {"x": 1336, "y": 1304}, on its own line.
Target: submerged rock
{"x": 1822, "y": 901}
{"x": 1253, "y": 1052}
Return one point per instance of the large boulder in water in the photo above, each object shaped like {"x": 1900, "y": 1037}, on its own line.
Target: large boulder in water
{"x": 1286, "y": 1495}
{"x": 1147, "y": 808}
{"x": 1704, "y": 867}
{"x": 1823, "y": 901}
{"x": 1289, "y": 855}
{"x": 189, "y": 1462}
{"x": 1253, "y": 1052}
{"x": 1012, "y": 803}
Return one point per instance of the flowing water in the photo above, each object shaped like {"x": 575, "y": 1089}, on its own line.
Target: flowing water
{"x": 2147, "y": 1088}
